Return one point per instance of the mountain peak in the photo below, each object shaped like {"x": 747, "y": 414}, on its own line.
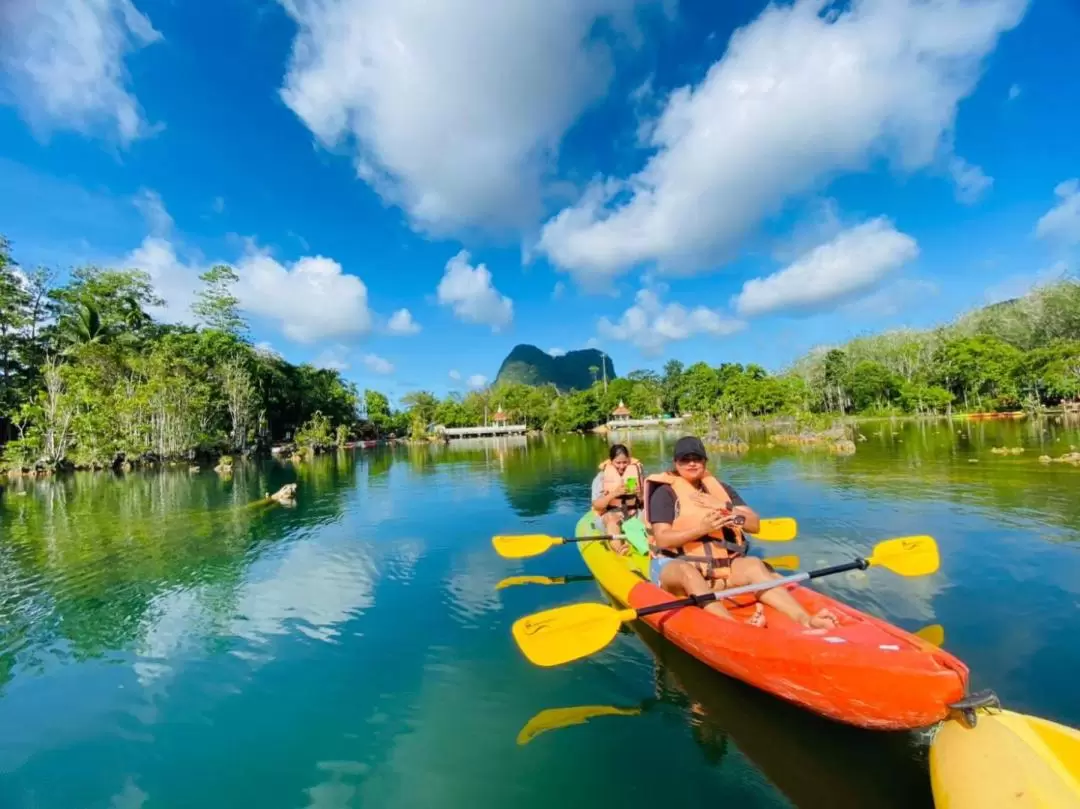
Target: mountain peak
{"x": 574, "y": 370}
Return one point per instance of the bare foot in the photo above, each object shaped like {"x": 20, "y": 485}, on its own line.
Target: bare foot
{"x": 824, "y": 619}
{"x": 758, "y": 618}
{"x": 620, "y": 547}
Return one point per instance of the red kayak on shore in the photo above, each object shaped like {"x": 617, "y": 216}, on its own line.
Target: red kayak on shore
{"x": 865, "y": 672}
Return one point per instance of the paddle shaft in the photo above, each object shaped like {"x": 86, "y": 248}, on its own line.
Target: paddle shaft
{"x": 794, "y": 578}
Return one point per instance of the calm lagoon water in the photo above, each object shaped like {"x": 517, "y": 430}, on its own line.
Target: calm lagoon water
{"x": 163, "y": 644}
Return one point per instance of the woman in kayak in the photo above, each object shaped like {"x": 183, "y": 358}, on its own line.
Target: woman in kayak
{"x": 615, "y": 493}
{"x": 697, "y": 539}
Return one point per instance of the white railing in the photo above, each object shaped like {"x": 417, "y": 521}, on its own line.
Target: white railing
{"x": 489, "y": 429}
{"x": 615, "y": 424}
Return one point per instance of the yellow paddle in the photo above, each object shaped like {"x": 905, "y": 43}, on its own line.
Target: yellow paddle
{"x": 933, "y": 634}
{"x": 510, "y": 581}
{"x": 782, "y": 562}
{"x": 521, "y": 546}
{"x": 557, "y": 636}
{"x": 554, "y": 718}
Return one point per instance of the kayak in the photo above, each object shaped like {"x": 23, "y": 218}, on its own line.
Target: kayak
{"x": 814, "y": 761}
{"x": 866, "y": 672}
{"x": 1006, "y": 760}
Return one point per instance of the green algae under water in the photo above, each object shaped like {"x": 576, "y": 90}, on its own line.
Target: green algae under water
{"x": 162, "y": 644}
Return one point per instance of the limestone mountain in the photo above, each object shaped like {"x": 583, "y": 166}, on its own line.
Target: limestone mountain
{"x": 575, "y": 370}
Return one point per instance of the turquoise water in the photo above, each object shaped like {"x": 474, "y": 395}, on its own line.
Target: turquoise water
{"x": 164, "y": 644}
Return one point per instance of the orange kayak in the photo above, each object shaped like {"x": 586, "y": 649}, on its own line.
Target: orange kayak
{"x": 866, "y": 672}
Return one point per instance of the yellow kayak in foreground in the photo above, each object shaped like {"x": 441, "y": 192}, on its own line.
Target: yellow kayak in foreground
{"x": 1007, "y": 760}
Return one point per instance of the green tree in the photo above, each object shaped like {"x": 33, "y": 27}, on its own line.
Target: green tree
{"x": 104, "y": 304}
{"x": 14, "y": 321}
{"x": 420, "y": 405}
{"x": 376, "y": 411}
{"x": 671, "y": 386}
{"x": 216, "y": 305}
{"x": 871, "y": 385}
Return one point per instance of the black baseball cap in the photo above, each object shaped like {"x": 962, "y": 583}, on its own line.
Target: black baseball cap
{"x": 689, "y": 445}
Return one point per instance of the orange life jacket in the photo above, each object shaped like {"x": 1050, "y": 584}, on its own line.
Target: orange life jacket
{"x": 712, "y": 554}
{"x": 613, "y": 480}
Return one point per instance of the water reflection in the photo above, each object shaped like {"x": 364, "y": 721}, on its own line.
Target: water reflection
{"x": 157, "y": 634}
{"x": 814, "y": 762}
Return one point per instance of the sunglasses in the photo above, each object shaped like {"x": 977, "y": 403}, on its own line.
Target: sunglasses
{"x": 690, "y": 459}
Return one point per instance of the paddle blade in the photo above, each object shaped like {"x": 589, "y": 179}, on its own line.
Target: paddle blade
{"x": 511, "y": 581}
{"x": 933, "y": 634}
{"x": 777, "y": 529}
{"x": 523, "y": 545}
{"x": 557, "y": 636}
{"x": 784, "y": 562}
{"x": 555, "y": 718}
{"x": 908, "y": 556}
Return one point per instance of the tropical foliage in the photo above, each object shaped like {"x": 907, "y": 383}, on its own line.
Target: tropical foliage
{"x": 88, "y": 377}
{"x": 1018, "y": 354}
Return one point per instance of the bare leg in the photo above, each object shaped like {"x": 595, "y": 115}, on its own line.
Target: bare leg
{"x": 750, "y": 570}
{"x": 683, "y": 579}
{"x": 612, "y": 527}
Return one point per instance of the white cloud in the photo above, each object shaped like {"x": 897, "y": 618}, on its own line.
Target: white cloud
{"x": 310, "y": 299}
{"x": 558, "y": 291}
{"x": 469, "y": 291}
{"x": 401, "y": 323}
{"x": 334, "y": 358}
{"x": 799, "y": 97}
{"x": 153, "y": 211}
{"x": 174, "y": 280}
{"x": 64, "y": 63}
{"x": 454, "y": 110}
{"x": 971, "y": 182}
{"x": 377, "y": 364}
{"x": 853, "y": 262}
{"x": 1062, "y": 223}
{"x": 556, "y": 352}
{"x": 455, "y": 375}
{"x": 477, "y": 381}
{"x": 650, "y": 324}
{"x": 1014, "y": 92}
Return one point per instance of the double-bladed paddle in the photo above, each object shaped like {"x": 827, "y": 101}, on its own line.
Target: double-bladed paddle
{"x": 521, "y": 546}
{"x": 782, "y": 562}
{"x": 557, "y": 636}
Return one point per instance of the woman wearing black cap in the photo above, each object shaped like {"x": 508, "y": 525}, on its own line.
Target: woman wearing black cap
{"x": 697, "y": 538}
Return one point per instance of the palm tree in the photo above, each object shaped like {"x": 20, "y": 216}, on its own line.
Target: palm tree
{"x": 86, "y": 323}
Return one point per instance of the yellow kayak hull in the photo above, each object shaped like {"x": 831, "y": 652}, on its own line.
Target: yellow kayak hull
{"x": 1007, "y": 761}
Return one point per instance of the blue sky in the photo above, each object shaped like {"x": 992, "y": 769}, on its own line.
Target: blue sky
{"x": 661, "y": 178}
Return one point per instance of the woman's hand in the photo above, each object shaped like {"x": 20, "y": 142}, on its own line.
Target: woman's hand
{"x": 713, "y": 521}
